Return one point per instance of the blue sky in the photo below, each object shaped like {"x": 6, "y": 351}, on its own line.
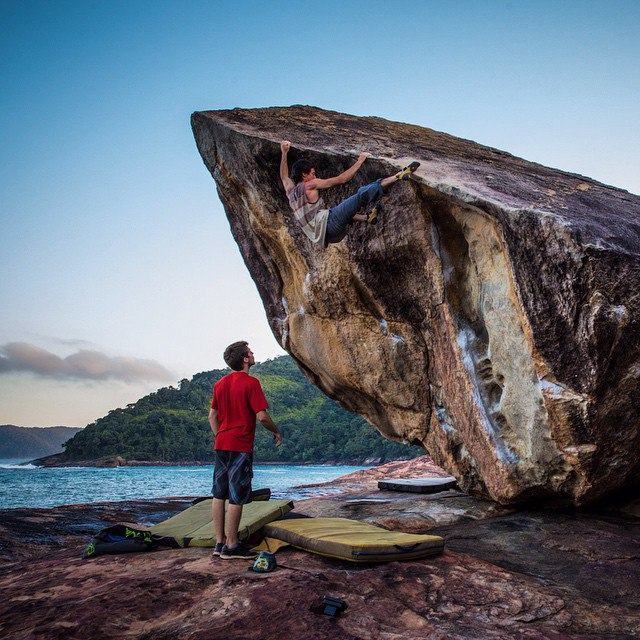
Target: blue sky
{"x": 118, "y": 270}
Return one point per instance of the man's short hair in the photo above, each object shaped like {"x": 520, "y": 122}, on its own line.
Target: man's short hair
{"x": 235, "y": 353}
{"x": 298, "y": 168}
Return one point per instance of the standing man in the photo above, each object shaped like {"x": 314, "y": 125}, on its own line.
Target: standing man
{"x": 236, "y": 403}
{"x": 324, "y": 225}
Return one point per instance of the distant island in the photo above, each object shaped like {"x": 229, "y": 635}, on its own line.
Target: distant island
{"x": 170, "y": 426}
{"x": 32, "y": 442}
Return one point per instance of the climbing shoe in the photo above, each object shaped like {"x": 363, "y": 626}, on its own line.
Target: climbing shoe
{"x": 265, "y": 562}
{"x": 237, "y": 551}
{"x": 405, "y": 174}
{"x": 217, "y": 550}
{"x": 373, "y": 216}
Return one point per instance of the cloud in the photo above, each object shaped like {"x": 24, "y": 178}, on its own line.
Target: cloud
{"x": 73, "y": 342}
{"x": 82, "y": 365}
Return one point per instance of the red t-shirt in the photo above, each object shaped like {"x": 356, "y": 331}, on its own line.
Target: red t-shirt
{"x": 237, "y": 398}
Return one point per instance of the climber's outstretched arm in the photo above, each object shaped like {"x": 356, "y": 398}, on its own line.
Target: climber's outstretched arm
{"x": 345, "y": 176}
{"x": 287, "y": 182}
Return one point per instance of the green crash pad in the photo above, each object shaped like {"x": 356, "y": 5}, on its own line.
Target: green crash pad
{"x": 193, "y": 527}
{"x": 353, "y": 540}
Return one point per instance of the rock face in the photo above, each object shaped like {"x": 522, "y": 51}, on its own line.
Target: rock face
{"x": 491, "y": 316}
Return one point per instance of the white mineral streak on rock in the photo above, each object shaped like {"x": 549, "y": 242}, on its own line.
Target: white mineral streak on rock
{"x": 396, "y": 340}
{"x": 620, "y": 311}
{"x": 503, "y": 453}
{"x": 551, "y": 387}
{"x": 305, "y": 284}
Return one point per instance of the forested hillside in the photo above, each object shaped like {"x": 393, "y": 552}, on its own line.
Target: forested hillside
{"x": 171, "y": 425}
{"x": 32, "y": 442}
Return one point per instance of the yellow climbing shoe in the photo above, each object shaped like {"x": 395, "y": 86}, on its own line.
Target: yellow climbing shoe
{"x": 405, "y": 174}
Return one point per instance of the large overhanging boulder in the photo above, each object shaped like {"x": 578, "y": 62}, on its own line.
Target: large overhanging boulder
{"x": 491, "y": 316}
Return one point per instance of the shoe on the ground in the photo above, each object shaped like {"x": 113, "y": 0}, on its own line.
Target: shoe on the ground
{"x": 405, "y": 174}
{"x": 373, "y": 216}
{"x": 217, "y": 550}
{"x": 237, "y": 551}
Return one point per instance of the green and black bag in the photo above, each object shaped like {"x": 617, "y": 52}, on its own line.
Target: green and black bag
{"x": 121, "y": 538}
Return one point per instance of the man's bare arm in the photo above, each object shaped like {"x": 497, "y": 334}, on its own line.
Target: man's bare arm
{"x": 345, "y": 176}
{"x": 287, "y": 182}
{"x": 269, "y": 425}
{"x": 213, "y": 421}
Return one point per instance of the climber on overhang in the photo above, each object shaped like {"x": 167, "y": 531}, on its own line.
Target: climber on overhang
{"x": 324, "y": 225}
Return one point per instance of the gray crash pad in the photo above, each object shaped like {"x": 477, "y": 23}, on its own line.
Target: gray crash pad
{"x": 418, "y": 485}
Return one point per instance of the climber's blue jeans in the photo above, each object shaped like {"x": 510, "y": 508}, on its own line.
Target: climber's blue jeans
{"x": 341, "y": 215}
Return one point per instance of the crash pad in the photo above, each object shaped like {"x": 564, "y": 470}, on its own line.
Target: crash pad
{"x": 418, "y": 485}
{"x": 353, "y": 540}
{"x": 193, "y": 527}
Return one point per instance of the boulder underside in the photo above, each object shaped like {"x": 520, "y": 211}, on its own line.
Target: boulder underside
{"x": 491, "y": 316}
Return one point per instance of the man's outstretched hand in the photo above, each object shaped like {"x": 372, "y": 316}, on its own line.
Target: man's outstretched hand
{"x": 363, "y": 156}
{"x": 285, "y": 145}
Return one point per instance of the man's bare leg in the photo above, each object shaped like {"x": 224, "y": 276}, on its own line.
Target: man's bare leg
{"x": 385, "y": 182}
{"x": 234, "y": 513}
{"x": 217, "y": 512}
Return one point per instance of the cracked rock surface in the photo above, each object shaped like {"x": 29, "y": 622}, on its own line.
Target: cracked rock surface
{"x": 492, "y": 315}
{"x": 506, "y": 573}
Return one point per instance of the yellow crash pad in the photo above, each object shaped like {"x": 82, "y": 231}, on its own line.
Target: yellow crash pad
{"x": 193, "y": 527}
{"x": 353, "y": 540}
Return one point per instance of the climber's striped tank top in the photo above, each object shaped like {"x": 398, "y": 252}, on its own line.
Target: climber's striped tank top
{"x": 312, "y": 217}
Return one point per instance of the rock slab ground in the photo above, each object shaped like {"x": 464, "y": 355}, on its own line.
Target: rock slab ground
{"x": 535, "y": 574}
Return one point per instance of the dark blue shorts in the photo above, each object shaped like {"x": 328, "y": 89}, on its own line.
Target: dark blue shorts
{"x": 232, "y": 476}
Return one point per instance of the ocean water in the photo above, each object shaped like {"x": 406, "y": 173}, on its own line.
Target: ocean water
{"x": 30, "y": 486}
